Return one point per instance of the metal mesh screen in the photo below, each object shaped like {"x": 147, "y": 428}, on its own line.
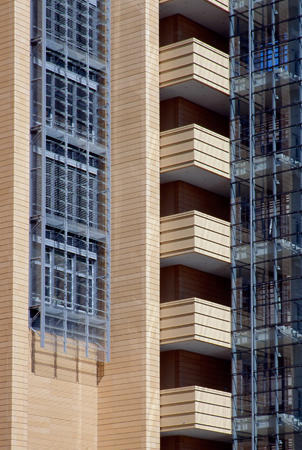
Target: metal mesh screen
{"x": 70, "y": 175}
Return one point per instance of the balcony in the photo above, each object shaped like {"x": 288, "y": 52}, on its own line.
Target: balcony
{"x": 196, "y": 240}
{"x": 197, "y": 156}
{"x": 196, "y": 325}
{"x": 197, "y": 412}
{"x": 213, "y": 14}
{"x": 196, "y": 71}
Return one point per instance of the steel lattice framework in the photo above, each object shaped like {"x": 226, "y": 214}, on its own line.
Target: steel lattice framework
{"x": 70, "y": 175}
{"x": 266, "y": 139}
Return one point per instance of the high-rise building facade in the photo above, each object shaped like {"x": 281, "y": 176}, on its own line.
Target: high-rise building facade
{"x": 115, "y": 165}
{"x": 266, "y": 224}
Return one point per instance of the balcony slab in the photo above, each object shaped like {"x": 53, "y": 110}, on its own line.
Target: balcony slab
{"x": 213, "y": 14}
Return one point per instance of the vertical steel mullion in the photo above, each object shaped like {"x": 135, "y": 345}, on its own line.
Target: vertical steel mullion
{"x": 94, "y": 289}
{"x": 30, "y": 282}
{"x": 300, "y": 77}
{"x": 65, "y": 312}
{"x": 74, "y": 105}
{"x": 74, "y": 193}
{"x": 53, "y": 186}
{"x": 66, "y": 180}
{"x": 53, "y": 102}
{"x": 73, "y": 281}
{"x": 87, "y": 183}
{"x": 52, "y": 274}
{"x": 274, "y": 230}
{"x": 108, "y": 168}
{"x": 300, "y": 98}
{"x": 43, "y": 175}
{"x": 300, "y": 155}
{"x": 233, "y": 221}
{"x": 252, "y": 234}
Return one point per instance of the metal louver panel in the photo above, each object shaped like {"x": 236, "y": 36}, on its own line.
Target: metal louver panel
{"x": 70, "y": 175}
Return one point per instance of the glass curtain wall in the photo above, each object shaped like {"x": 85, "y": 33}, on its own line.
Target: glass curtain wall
{"x": 266, "y": 163}
{"x": 70, "y": 175}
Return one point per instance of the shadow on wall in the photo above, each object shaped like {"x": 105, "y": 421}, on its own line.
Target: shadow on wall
{"x": 52, "y": 362}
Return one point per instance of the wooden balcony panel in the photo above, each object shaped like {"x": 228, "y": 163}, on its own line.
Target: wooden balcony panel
{"x": 193, "y": 59}
{"x": 196, "y": 325}
{"x": 197, "y": 156}
{"x": 196, "y": 411}
{"x": 195, "y": 230}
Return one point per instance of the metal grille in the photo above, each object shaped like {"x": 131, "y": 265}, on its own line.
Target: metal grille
{"x": 70, "y": 175}
{"x": 266, "y": 139}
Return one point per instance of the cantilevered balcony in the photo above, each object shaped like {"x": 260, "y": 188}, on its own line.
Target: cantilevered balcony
{"x": 196, "y": 71}
{"x": 197, "y": 412}
{"x": 213, "y": 14}
{"x": 197, "y": 156}
{"x": 196, "y": 325}
{"x": 196, "y": 240}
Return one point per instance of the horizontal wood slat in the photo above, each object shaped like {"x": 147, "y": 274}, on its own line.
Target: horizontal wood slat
{"x": 207, "y": 411}
{"x": 193, "y": 145}
{"x": 195, "y": 232}
{"x": 196, "y": 319}
{"x": 193, "y": 59}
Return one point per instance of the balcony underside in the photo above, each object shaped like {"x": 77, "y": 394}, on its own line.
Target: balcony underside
{"x": 194, "y": 91}
{"x": 198, "y": 434}
{"x": 194, "y": 174}
{"x": 200, "y": 347}
{"x": 198, "y": 261}
{"x": 213, "y": 14}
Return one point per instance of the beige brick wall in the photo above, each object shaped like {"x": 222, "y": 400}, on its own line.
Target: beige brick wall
{"x": 129, "y": 390}
{"x": 62, "y": 399}
{"x": 14, "y": 189}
